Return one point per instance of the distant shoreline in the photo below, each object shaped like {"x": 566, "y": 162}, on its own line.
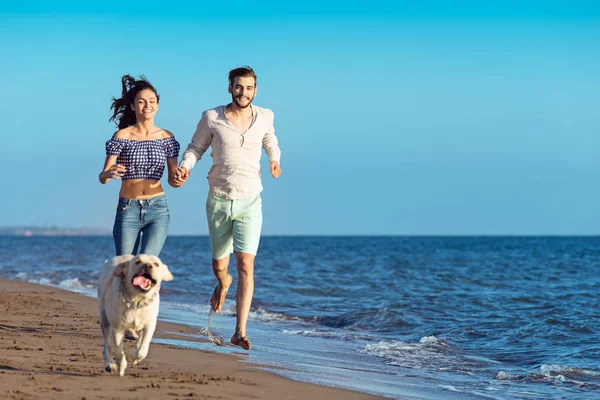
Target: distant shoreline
{"x": 52, "y": 231}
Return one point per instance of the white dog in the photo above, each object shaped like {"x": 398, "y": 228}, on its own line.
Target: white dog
{"x": 128, "y": 299}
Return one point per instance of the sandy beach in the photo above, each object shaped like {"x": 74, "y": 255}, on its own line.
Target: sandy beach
{"x": 51, "y": 348}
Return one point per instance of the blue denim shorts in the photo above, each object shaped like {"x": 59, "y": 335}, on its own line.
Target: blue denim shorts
{"x": 145, "y": 221}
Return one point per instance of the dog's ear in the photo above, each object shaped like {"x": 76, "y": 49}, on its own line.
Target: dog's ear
{"x": 121, "y": 269}
{"x": 167, "y": 275}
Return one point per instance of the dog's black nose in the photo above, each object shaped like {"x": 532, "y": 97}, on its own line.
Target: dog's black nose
{"x": 147, "y": 268}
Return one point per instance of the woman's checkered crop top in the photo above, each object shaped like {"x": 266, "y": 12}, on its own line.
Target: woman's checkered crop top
{"x": 144, "y": 159}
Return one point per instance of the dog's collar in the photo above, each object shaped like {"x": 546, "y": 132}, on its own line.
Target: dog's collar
{"x": 130, "y": 304}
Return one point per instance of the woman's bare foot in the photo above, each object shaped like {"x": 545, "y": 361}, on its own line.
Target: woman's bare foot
{"x": 218, "y": 297}
{"x": 241, "y": 341}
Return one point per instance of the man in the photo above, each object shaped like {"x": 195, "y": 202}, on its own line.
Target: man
{"x": 236, "y": 132}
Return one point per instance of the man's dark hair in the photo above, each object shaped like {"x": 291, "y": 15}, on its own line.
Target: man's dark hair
{"x": 244, "y": 71}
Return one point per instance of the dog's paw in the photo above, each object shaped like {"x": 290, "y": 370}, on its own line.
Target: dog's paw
{"x": 122, "y": 367}
{"x": 138, "y": 355}
{"x": 112, "y": 368}
{"x": 136, "y": 359}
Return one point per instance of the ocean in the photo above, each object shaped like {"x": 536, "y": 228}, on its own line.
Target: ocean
{"x": 402, "y": 317}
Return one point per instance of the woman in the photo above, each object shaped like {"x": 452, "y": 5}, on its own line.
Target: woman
{"x": 136, "y": 154}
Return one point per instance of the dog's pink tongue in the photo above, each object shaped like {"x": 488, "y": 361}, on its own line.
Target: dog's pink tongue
{"x": 141, "y": 282}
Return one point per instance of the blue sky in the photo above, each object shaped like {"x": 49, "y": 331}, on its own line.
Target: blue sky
{"x": 393, "y": 118}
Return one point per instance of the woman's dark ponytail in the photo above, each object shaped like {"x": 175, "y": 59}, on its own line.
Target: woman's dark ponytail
{"x": 123, "y": 115}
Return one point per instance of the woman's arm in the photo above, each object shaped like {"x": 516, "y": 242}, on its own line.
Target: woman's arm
{"x": 111, "y": 170}
{"x": 172, "y": 167}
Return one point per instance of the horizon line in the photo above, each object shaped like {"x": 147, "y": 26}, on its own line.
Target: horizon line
{"x": 431, "y": 235}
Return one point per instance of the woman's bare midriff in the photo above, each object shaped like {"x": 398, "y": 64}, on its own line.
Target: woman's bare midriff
{"x": 140, "y": 189}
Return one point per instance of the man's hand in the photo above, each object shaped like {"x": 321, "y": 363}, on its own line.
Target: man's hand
{"x": 180, "y": 175}
{"x": 275, "y": 169}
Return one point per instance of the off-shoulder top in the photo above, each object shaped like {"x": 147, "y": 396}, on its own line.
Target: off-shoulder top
{"x": 144, "y": 159}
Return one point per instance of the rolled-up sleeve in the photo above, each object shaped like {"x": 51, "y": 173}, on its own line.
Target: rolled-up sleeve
{"x": 270, "y": 142}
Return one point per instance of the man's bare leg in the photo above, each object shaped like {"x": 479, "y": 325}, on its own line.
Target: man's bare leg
{"x": 220, "y": 268}
{"x": 245, "y": 291}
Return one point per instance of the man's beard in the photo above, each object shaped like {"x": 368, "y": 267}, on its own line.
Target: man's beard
{"x": 237, "y": 103}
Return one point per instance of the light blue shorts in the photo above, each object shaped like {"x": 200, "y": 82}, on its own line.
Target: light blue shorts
{"x": 233, "y": 225}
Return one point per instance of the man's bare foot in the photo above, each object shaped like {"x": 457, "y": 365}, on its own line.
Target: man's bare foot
{"x": 218, "y": 297}
{"x": 241, "y": 341}
{"x": 130, "y": 334}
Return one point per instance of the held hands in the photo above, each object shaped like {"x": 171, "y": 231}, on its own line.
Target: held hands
{"x": 275, "y": 169}
{"x": 179, "y": 177}
{"x": 182, "y": 174}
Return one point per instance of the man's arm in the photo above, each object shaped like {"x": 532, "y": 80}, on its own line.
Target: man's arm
{"x": 199, "y": 144}
{"x": 271, "y": 146}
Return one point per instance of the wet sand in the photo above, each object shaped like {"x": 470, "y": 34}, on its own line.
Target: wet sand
{"x": 51, "y": 348}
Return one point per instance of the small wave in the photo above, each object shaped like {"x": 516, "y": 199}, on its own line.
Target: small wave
{"x": 74, "y": 284}
{"x": 193, "y": 307}
{"x": 41, "y": 281}
{"x": 433, "y": 340}
{"x": 383, "y": 319}
{"x": 431, "y": 353}
{"x": 503, "y": 375}
{"x": 557, "y": 374}
{"x": 327, "y": 334}
{"x": 228, "y": 309}
{"x": 315, "y": 333}
{"x": 406, "y": 353}
{"x": 201, "y": 308}
{"x": 550, "y": 370}
{"x": 450, "y": 388}
{"x": 265, "y": 315}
